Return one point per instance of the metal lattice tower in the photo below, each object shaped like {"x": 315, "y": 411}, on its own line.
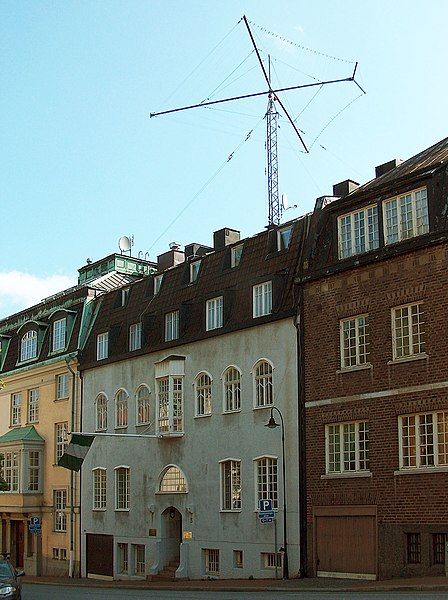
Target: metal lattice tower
{"x": 274, "y": 204}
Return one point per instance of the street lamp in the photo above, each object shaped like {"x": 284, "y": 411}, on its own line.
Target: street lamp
{"x": 272, "y": 424}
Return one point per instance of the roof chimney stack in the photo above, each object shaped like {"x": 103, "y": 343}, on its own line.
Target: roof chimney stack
{"x": 344, "y": 188}
{"x": 386, "y": 167}
{"x": 224, "y": 237}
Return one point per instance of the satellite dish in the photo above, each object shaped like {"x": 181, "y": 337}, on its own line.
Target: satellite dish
{"x": 285, "y": 203}
{"x": 124, "y": 243}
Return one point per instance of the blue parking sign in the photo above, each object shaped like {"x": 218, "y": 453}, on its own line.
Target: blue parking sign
{"x": 264, "y": 505}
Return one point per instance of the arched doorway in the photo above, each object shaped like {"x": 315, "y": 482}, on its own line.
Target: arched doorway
{"x": 171, "y": 535}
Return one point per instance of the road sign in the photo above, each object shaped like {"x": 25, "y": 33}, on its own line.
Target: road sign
{"x": 266, "y": 513}
{"x": 35, "y": 521}
{"x": 266, "y": 519}
{"x": 264, "y": 505}
{"x": 35, "y": 528}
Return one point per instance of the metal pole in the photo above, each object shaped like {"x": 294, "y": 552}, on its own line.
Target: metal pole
{"x": 285, "y": 547}
{"x": 275, "y": 547}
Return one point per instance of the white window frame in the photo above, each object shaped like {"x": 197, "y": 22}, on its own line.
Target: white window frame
{"x": 28, "y": 346}
{"x": 59, "y": 335}
{"x": 283, "y": 244}
{"x": 235, "y": 255}
{"x": 203, "y": 390}
{"x": 230, "y": 485}
{"x": 99, "y": 488}
{"x": 214, "y": 309}
{"x": 102, "y": 345}
{"x": 195, "y": 267}
{"x": 158, "y": 280}
{"x": 354, "y": 335}
{"x": 266, "y": 486}
{"x": 123, "y": 558}
{"x": 416, "y": 342}
{"x": 211, "y": 557}
{"x": 231, "y": 389}
{"x": 419, "y": 222}
{"x": 62, "y": 386}
{"x": 16, "y": 409}
{"x": 60, "y": 506}
{"x": 101, "y": 403}
{"x": 357, "y": 452}
{"x": 172, "y": 480}
{"x": 262, "y": 299}
{"x": 60, "y": 439}
{"x": 268, "y": 560}
{"x": 135, "y": 336}
{"x": 427, "y": 430}
{"x": 172, "y": 326}
{"x": 122, "y": 488}
{"x": 139, "y": 565}
{"x": 121, "y": 409}
{"x": 125, "y": 292}
{"x": 369, "y": 232}
{"x": 143, "y": 405}
{"x": 170, "y": 402}
{"x": 34, "y": 471}
{"x": 33, "y": 405}
{"x": 11, "y": 469}
{"x": 263, "y": 384}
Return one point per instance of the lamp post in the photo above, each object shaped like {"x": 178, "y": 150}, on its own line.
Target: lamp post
{"x": 272, "y": 424}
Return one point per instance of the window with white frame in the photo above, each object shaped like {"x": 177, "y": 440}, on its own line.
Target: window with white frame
{"x": 423, "y": 440}
{"x": 135, "y": 337}
{"x": 101, "y": 412}
{"x": 123, "y": 559}
{"x": 59, "y": 506}
{"x": 271, "y": 560}
{"x": 211, "y": 556}
{"x": 122, "y": 488}
{"x": 125, "y": 292}
{"x": 213, "y": 313}
{"x": 267, "y": 480}
{"x": 121, "y": 409}
{"x": 173, "y": 481}
{"x": 172, "y": 326}
{"x": 263, "y": 386}
{"x": 347, "y": 447}
{"x": 16, "y": 409}
{"x": 262, "y": 299}
{"x": 143, "y": 405}
{"x": 232, "y": 389}
{"x": 61, "y": 441}
{"x": 170, "y": 404}
{"x": 407, "y": 330}
{"x": 354, "y": 338}
{"x": 238, "y": 559}
{"x": 235, "y": 255}
{"x": 139, "y": 561}
{"x": 203, "y": 393}
{"x": 405, "y": 216}
{"x": 33, "y": 470}
{"x": 358, "y": 232}
{"x": 62, "y": 386}
{"x": 10, "y": 470}
{"x": 284, "y": 235}
{"x": 99, "y": 488}
{"x": 59, "y": 334}
{"x": 157, "y": 283}
{"x": 33, "y": 405}
{"x": 28, "y": 346}
{"x": 194, "y": 270}
{"x": 102, "y": 345}
{"x": 230, "y": 484}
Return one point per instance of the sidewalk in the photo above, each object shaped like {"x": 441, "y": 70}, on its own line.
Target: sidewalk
{"x": 429, "y": 584}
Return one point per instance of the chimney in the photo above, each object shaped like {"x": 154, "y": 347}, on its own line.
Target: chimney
{"x": 386, "y": 167}
{"x": 194, "y": 250}
{"x": 224, "y": 237}
{"x": 173, "y": 257}
{"x": 344, "y": 188}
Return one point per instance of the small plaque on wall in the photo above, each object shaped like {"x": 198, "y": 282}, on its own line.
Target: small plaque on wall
{"x": 152, "y": 532}
{"x": 188, "y": 535}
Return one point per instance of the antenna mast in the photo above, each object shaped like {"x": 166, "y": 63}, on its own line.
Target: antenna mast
{"x": 274, "y": 205}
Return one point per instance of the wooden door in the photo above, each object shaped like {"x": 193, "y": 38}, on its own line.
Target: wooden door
{"x": 100, "y": 554}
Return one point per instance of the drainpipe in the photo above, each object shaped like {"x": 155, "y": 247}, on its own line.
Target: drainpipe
{"x": 71, "y": 567}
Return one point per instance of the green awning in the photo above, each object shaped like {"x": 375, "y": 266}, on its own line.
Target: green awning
{"x": 21, "y": 434}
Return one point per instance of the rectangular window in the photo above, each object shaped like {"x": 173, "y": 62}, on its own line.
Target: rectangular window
{"x": 358, "y": 232}
{"x": 269, "y": 559}
{"x": 405, "y": 216}
{"x": 59, "y": 334}
{"x": 122, "y": 488}
{"x": 211, "y": 561}
{"x": 33, "y": 471}
{"x": 157, "y": 283}
{"x": 423, "y": 440}
{"x": 267, "y": 480}
{"x": 55, "y": 553}
{"x": 262, "y": 299}
{"x": 231, "y": 485}
{"x": 33, "y": 405}
{"x": 16, "y": 409}
{"x": 407, "y": 330}
{"x": 214, "y": 311}
{"x": 123, "y": 561}
{"x": 194, "y": 270}
{"x": 172, "y": 326}
{"x": 10, "y": 470}
{"x": 61, "y": 441}
{"x": 99, "y": 489}
{"x": 235, "y": 255}
{"x": 354, "y": 336}
{"x": 284, "y": 238}
{"x": 135, "y": 337}
{"x": 347, "y": 447}
{"x": 60, "y": 505}
{"x": 413, "y": 548}
{"x": 62, "y": 554}
{"x": 238, "y": 559}
{"x": 439, "y": 541}
{"x": 125, "y": 296}
{"x": 102, "y": 345}
{"x": 62, "y": 386}
{"x": 139, "y": 559}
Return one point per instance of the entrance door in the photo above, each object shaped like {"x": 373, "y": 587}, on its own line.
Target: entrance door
{"x": 17, "y": 543}
{"x": 100, "y": 555}
{"x": 172, "y": 534}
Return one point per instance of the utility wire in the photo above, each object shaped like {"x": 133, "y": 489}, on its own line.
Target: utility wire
{"x": 333, "y": 118}
{"x": 209, "y": 97}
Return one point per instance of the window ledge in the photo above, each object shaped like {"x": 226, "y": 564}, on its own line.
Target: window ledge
{"x": 123, "y": 510}
{"x": 263, "y": 407}
{"x": 120, "y": 427}
{"x": 347, "y": 475}
{"x": 168, "y": 493}
{"x": 231, "y": 510}
{"x": 169, "y": 434}
{"x": 363, "y": 367}
{"x": 99, "y": 509}
{"x": 202, "y": 416}
{"x": 398, "y": 361}
{"x": 421, "y": 470}
{"x": 231, "y": 412}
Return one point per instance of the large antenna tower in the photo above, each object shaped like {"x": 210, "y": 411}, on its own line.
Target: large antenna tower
{"x": 274, "y": 204}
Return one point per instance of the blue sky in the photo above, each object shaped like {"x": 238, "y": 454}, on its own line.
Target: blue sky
{"x": 82, "y": 163}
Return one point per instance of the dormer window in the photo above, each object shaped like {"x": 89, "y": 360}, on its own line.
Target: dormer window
{"x": 358, "y": 232}
{"x": 125, "y": 296}
{"x": 284, "y": 238}
{"x": 157, "y": 283}
{"x": 235, "y": 255}
{"x": 102, "y": 345}
{"x": 405, "y": 216}
{"x": 194, "y": 270}
{"x": 28, "y": 346}
{"x": 59, "y": 334}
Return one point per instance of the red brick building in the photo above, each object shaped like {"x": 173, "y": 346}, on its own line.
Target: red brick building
{"x": 374, "y": 304}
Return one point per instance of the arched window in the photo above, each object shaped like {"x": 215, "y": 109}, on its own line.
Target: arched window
{"x": 143, "y": 405}
{"x": 264, "y": 391}
{"x": 121, "y": 409}
{"x": 28, "y": 346}
{"x": 232, "y": 389}
{"x": 173, "y": 481}
{"x": 101, "y": 412}
{"x": 203, "y": 393}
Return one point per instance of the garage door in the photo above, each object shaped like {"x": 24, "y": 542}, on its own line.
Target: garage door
{"x": 100, "y": 556}
{"x": 345, "y": 543}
